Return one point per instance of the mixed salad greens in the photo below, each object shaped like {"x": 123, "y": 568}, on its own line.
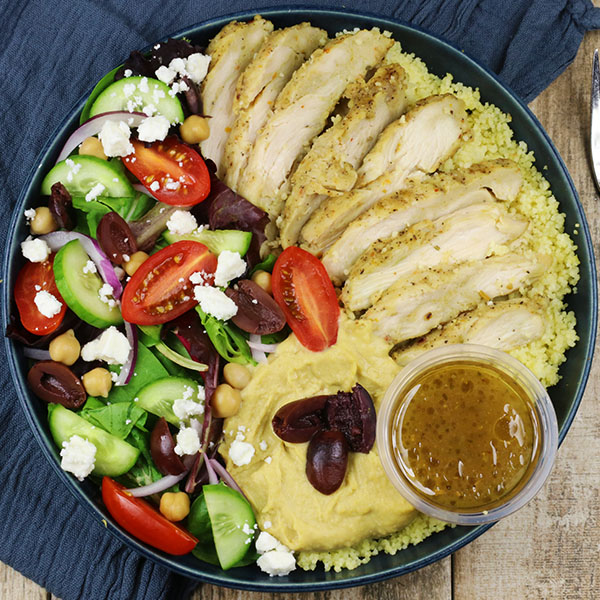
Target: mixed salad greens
{"x": 146, "y": 300}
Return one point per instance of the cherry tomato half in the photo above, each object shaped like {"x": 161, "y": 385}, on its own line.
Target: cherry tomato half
{"x": 160, "y": 290}
{"x": 144, "y": 522}
{"x": 305, "y": 293}
{"x": 32, "y": 278}
{"x": 179, "y": 171}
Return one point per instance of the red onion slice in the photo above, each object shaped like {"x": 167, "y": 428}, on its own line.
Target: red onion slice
{"x": 58, "y": 239}
{"x": 93, "y": 127}
{"x": 128, "y": 368}
{"x": 157, "y": 486}
{"x": 255, "y": 342}
{"x": 36, "y": 353}
{"x": 212, "y": 476}
{"x": 257, "y": 354}
{"x": 224, "y": 475}
{"x": 138, "y": 187}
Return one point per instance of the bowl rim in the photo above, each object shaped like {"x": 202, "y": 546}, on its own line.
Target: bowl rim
{"x": 280, "y": 584}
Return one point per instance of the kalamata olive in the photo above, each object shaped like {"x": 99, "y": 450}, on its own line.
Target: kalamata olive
{"x": 162, "y": 449}
{"x": 327, "y": 460}
{"x": 61, "y": 206}
{"x": 115, "y": 237}
{"x": 298, "y": 421}
{"x": 55, "y": 383}
{"x": 354, "y": 415}
{"x": 257, "y": 311}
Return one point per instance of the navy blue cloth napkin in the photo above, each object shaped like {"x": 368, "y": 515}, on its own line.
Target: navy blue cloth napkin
{"x": 53, "y": 52}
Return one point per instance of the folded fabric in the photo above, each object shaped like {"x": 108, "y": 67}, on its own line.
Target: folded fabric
{"x": 53, "y": 52}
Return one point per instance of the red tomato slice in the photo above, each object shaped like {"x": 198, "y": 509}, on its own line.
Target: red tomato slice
{"x": 144, "y": 522}
{"x": 181, "y": 174}
{"x": 305, "y": 293}
{"x": 32, "y": 278}
{"x": 160, "y": 290}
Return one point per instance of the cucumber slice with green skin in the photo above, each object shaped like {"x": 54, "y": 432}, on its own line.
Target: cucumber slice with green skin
{"x": 80, "y": 173}
{"x": 114, "y": 457}
{"x": 80, "y": 290}
{"x": 230, "y": 514}
{"x": 216, "y": 241}
{"x": 100, "y": 86}
{"x": 120, "y": 95}
{"x": 158, "y": 397}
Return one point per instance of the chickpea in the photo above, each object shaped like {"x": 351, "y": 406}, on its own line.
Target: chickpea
{"x": 263, "y": 279}
{"x": 237, "y": 376}
{"x": 225, "y": 401}
{"x": 175, "y": 505}
{"x": 92, "y": 146}
{"x": 97, "y": 382}
{"x": 43, "y": 222}
{"x": 194, "y": 129}
{"x": 134, "y": 262}
{"x": 65, "y": 348}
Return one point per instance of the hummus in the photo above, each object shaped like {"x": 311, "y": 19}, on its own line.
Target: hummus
{"x": 366, "y": 505}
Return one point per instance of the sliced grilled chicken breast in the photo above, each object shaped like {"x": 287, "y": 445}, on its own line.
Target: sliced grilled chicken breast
{"x": 330, "y": 166}
{"x": 301, "y": 113}
{"x": 506, "y": 325}
{"x": 429, "y": 198}
{"x": 467, "y": 234}
{"x": 415, "y": 144}
{"x": 258, "y": 87}
{"x": 414, "y": 306}
{"x": 231, "y": 51}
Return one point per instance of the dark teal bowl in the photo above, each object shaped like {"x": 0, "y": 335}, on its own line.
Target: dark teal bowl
{"x": 441, "y": 58}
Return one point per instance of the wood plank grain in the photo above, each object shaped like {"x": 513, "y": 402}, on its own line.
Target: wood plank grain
{"x": 14, "y": 586}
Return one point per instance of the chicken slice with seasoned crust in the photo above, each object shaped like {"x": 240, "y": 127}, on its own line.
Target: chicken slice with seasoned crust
{"x": 258, "y": 87}
{"x": 330, "y": 167}
{"x": 301, "y": 112}
{"x": 415, "y": 144}
{"x": 428, "y": 198}
{"x": 231, "y": 50}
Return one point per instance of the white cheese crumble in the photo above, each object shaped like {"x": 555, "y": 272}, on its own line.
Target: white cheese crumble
{"x": 229, "y": 266}
{"x": 89, "y": 267}
{"x": 268, "y": 459}
{"x": 267, "y": 524}
{"x": 127, "y": 73}
{"x": 165, "y": 74}
{"x": 155, "y": 186}
{"x": 182, "y": 222}
{"x": 94, "y": 192}
{"x": 112, "y": 347}
{"x": 149, "y": 109}
{"x": 105, "y": 293}
{"x": 152, "y": 129}
{"x": 265, "y": 542}
{"x": 115, "y": 138}
{"x": 197, "y": 66}
{"x": 35, "y": 250}
{"x": 188, "y": 441}
{"x": 47, "y": 304}
{"x": 29, "y": 214}
{"x": 78, "y": 456}
{"x": 241, "y": 453}
{"x": 143, "y": 85}
{"x": 186, "y": 407}
{"x": 214, "y": 302}
{"x": 275, "y": 559}
{"x": 198, "y": 278}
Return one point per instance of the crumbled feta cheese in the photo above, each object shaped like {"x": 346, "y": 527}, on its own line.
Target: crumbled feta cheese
{"x": 112, "y": 347}
{"x": 263, "y": 445}
{"x": 129, "y": 89}
{"x": 265, "y": 542}
{"x": 247, "y": 529}
{"x": 188, "y": 441}
{"x": 229, "y": 266}
{"x": 149, "y": 109}
{"x": 214, "y": 302}
{"x": 29, "y": 214}
{"x": 155, "y": 186}
{"x": 165, "y": 74}
{"x": 115, "y": 138}
{"x": 152, "y": 129}
{"x": 78, "y": 457}
{"x": 241, "y": 453}
{"x": 268, "y": 459}
{"x": 127, "y": 73}
{"x": 182, "y": 222}
{"x": 267, "y": 524}
{"x": 35, "y": 250}
{"x": 197, "y": 66}
{"x": 198, "y": 278}
{"x": 187, "y": 407}
{"x": 277, "y": 562}
{"x": 178, "y": 65}
{"x": 94, "y": 192}
{"x": 47, "y": 304}
{"x": 143, "y": 85}
{"x": 105, "y": 293}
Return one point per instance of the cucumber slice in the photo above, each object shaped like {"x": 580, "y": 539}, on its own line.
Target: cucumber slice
{"x": 100, "y": 86}
{"x": 216, "y": 241}
{"x": 80, "y": 173}
{"x": 133, "y": 93}
{"x": 230, "y": 514}
{"x": 114, "y": 457}
{"x": 158, "y": 397}
{"x": 80, "y": 290}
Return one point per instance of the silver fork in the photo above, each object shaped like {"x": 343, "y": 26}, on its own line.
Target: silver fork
{"x": 595, "y": 121}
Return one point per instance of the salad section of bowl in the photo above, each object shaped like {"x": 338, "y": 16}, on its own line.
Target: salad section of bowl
{"x": 441, "y": 58}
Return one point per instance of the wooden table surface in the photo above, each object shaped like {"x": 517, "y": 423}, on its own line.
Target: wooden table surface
{"x": 551, "y": 548}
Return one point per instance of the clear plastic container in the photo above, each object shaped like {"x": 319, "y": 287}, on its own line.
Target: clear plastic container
{"x": 545, "y": 437}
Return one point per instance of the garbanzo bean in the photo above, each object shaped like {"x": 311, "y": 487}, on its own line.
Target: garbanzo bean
{"x": 263, "y": 279}
{"x": 175, "y": 505}
{"x": 134, "y": 262}
{"x": 97, "y": 382}
{"x": 92, "y": 146}
{"x": 65, "y": 348}
{"x": 236, "y": 376}
{"x": 225, "y": 401}
{"x": 194, "y": 129}
{"x": 43, "y": 222}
